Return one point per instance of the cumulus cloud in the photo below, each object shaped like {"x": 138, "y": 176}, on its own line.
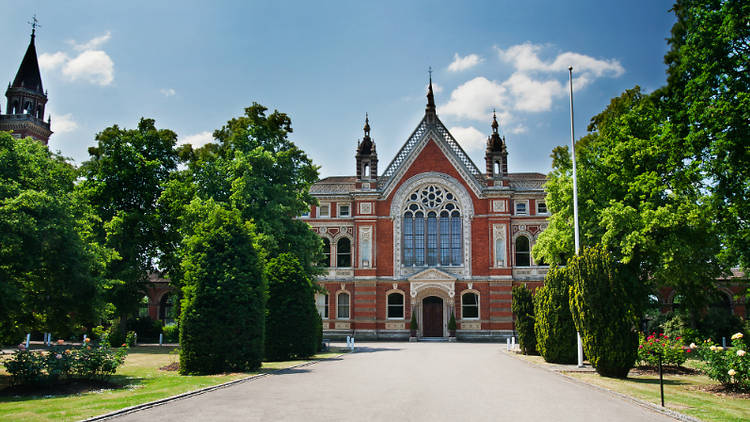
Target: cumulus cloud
{"x": 463, "y": 63}
{"x": 525, "y": 58}
{"x": 470, "y": 138}
{"x": 475, "y": 98}
{"x": 91, "y": 64}
{"x": 532, "y": 95}
{"x": 62, "y": 123}
{"x": 197, "y": 140}
{"x": 168, "y": 92}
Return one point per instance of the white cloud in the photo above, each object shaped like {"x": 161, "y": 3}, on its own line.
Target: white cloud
{"x": 168, "y": 92}
{"x": 518, "y": 129}
{"x": 470, "y": 138}
{"x": 62, "y": 123}
{"x": 93, "y": 43}
{"x": 475, "y": 98}
{"x": 197, "y": 140}
{"x": 533, "y": 95}
{"x": 91, "y": 64}
{"x": 463, "y": 63}
{"x": 52, "y": 61}
{"x": 525, "y": 58}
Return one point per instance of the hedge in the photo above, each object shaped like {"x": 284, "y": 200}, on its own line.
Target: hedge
{"x": 555, "y": 332}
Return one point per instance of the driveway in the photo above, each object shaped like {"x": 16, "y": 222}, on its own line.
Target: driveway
{"x": 411, "y": 382}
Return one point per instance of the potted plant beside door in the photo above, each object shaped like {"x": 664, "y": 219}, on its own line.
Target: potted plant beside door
{"x": 413, "y": 326}
{"x": 452, "y": 327}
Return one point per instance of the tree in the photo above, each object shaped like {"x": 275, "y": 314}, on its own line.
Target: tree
{"x": 291, "y": 317}
{"x": 50, "y": 267}
{"x": 222, "y": 319}
{"x": 555, "y": 332}
{"x": 258, "y": 170}
{"x": 522, "y": 306}
{"x": 602, "y": 312}
{"x": 640, "y": 196}
{"x": 708, "y": 99}
{"x": 123, "y": 180}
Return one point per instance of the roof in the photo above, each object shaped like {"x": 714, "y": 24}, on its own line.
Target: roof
{"x": 28, "y": 76}
{"x": 334, "y": 185}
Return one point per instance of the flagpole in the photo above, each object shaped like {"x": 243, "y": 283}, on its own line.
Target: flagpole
{"x": 575, "y": 198}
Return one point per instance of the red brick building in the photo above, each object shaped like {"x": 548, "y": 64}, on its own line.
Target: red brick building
{"x": 430, "y": 235}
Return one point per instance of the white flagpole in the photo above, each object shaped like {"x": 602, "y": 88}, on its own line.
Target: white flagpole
{"x": 575, "y": 197}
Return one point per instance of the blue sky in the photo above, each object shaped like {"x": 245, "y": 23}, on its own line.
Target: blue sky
{"x": 193, "y": 65}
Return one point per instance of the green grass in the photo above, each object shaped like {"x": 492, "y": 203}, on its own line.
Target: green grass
{"x": 143, "y": 382}
{"x": 681, "y": 392}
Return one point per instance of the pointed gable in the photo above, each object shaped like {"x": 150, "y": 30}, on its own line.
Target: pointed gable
{"x": 431, "y": 128}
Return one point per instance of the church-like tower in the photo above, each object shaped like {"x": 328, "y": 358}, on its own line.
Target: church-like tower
{"x": 24, "y": 110}
{"x": 496, "y": 155}
{"x": 367, "y": 156}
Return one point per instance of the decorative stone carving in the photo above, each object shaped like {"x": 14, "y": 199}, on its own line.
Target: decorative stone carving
{"x": 342, "y": 326}
{"x": 498, "y": 205}
{"x": 499, "y": 242}
{"x": 365, "y": 208}
{"x": 394, "y": 325}
{"x": 365, "y": 246}
{"x": 471, "y": 325}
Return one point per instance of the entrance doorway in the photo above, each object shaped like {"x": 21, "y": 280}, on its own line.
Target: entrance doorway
{"x": 432, "y": 317}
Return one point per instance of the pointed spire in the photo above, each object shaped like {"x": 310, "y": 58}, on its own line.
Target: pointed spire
{"x": 367, "y": 126}
{"x": 494, "y": 121}
{"x": 430, "y": 96}
{"x": 28, "y": 75}
{"x": 494, "y": 142}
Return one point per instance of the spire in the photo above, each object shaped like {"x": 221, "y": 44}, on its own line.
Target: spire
{"x": 28, "y": 75}
{"x": 494, "y": 141}
{"x": 367, "y": 126}
{"x": 367, "y": 157}
{"x": 430, "y": 96}
{"x": 494, "y": 121}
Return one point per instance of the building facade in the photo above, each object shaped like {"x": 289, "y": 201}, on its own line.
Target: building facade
{"x": 26, "y": 100}
{"x": 430, "y": 236}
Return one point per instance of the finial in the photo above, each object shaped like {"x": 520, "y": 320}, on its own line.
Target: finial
{"x": 494, "y": 121}
{"x": 429, "y": 70}
{"x": 34, "y": 24}
{"x": 430, "y": 95}
{"x": 367, "y": 126}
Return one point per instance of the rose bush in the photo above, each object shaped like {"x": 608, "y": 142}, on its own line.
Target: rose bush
{"x": 730, "y": 366}
{"x": 655, "y": 345}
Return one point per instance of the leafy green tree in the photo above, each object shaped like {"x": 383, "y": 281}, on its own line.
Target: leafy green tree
{"x": 222, "y": 319}
{"x": 123, "y": 181}
{"x": 640, "y": 196}
{"x": 708, "y": 98}
{"x": 50, "y": 267}
{"x": 555, "y": 332}
{"x": 291, "y": 318}
{"x": 522, "y": 306}
{"x": 255, "y": 168}
{"x": 602, "y": 312}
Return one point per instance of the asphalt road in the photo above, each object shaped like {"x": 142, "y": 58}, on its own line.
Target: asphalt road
{"x": 410, "y": 382}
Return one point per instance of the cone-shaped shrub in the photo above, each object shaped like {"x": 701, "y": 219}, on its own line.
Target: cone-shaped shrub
{"x": 602, "y": 312}
{"x": 522, "y": 306}
{"x": 221, "y": 324}
{"x": 553, "y": 325}
{"x": 292, "y": 319}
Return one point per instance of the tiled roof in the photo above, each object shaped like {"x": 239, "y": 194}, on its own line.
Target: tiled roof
{"x": 334, "y": 185}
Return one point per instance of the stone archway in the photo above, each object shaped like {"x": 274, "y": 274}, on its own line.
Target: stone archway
{"x": 441, "y": 286}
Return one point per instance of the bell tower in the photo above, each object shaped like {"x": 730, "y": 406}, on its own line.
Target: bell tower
{"x": 496, "y": 155}
{"x": 367, "y": 156}
{"x": 26, "y": 99}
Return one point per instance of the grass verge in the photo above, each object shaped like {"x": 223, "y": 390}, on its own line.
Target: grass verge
{"x": 142, "y": 382}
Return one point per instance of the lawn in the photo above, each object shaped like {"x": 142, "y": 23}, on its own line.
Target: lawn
{"x": 681, "y": 392}
{"x": 143, "y": 382}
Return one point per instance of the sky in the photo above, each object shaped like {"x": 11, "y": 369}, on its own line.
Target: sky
{"x": 193, "y": 65}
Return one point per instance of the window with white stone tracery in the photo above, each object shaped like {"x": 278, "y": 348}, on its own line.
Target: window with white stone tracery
{"x": 432, "y": 233}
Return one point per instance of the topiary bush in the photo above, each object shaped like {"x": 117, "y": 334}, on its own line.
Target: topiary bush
{"x": 602, "y": 312}
{"x": 522, "y": 306}
{"x": 555, "y": 332}
{"x": 291, "y": 318}
{"x": 222, "y": 319}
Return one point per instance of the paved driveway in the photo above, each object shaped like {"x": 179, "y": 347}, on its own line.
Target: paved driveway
{"x": 407, "y": 382}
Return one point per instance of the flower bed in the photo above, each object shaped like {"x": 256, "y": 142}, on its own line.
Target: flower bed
{"x": 86, "y": 362}
{"x": 730, "y": 366}
{"x": 656, "y": 345}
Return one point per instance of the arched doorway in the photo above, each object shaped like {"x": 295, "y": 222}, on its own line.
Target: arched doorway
{"x": 432, "y": 316}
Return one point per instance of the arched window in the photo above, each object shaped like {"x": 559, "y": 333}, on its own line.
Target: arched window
{"x": 522, "y": 251}
{"x": 167, "y": 305}
{"x": 342, "y": 306}
{"x": 470, "y": 306}
{"x": 497, "y": 167}
{"x": 366, "y": 171}
{"x": 432, "y": 228}
{"x": 344, "y": 252}
{"x": 327, "y": 252}
{"x": 395, "y": 306}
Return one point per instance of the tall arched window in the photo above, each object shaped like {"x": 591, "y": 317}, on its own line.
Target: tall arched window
{"x": 342, "y": 306}
{"x": 344, "y": 252}
{"x": 470, "y": 306}
{"x": 395, "y": 306}
{"x": 327, "y": 252}
{"x": 522, "y": 252}
{"x": 432, "y": 228}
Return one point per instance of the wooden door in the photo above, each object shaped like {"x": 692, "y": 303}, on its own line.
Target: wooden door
{"x": 432, "y": 317}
